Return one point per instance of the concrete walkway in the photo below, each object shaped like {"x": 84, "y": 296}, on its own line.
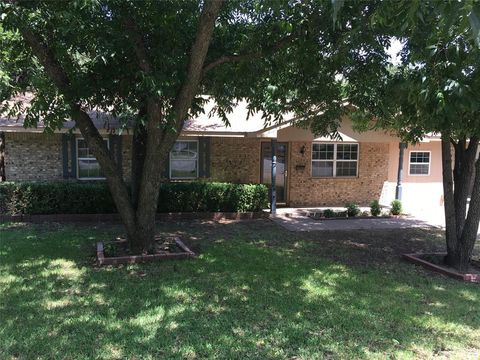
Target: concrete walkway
{"x": 296, "y": 219}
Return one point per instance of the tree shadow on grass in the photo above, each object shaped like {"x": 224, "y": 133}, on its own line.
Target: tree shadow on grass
{"x": 244, "y": 296}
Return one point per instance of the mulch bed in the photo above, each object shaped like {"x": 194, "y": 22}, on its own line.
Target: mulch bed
{"x": 319, "y": 216}
{"x": 117, "y": 252}
{"x": 434, "y": 262}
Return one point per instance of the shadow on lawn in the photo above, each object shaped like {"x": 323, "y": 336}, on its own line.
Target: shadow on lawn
{"x": 245, "y": 296}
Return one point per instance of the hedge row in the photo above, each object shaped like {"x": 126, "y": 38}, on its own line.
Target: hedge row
{"x": 94, "y": 198}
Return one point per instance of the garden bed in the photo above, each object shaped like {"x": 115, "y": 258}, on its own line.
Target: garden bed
{"x": 344, "y": 216}
{"x": 116, "y": 252}
{"x": 434, "y": 262}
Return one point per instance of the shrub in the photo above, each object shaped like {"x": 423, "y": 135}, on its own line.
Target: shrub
{"x": 375, "y": 209}
{"x": 94, "y": 197}
{"x": 396, "y": 207}
{"x": 329, "y": 213}
{"x": 352, "y": 209}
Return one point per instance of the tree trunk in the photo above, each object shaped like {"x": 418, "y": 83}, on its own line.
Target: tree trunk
{"x": 461, "y": 227}
{"x": 450, "y": 219}
{"x": 138, "y": 216}
{"x": 139, "y": 146}
{"x": 2, "y": 157}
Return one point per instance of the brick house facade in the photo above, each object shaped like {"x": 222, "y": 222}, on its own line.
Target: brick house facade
{"x": 311, "y": 174}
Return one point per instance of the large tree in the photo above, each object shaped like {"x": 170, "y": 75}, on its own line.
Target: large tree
{"x": 150, "y": 62}
{"x": 434, "y": 89}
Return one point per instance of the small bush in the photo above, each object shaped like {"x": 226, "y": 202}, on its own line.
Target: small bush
{"x": 64, "y": 197}
{"x": 352, "y": 209}
{"x": 396, "y": 207}
{"x": 328, "y": 213}
{"x": 375, "y": 208}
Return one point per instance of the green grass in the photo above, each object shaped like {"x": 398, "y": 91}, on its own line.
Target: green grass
{"x": 252, "y": 293}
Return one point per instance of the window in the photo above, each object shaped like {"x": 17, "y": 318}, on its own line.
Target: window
{"x": 419, "y": 163}
{"x": 334, "y": 160}
{"x": 184, "y": 160}
{"x": 88, "y": 167}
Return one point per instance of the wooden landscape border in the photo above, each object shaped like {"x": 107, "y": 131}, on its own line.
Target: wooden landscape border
{"x": 416, "y": 259}
{"x": 133, "y": 259}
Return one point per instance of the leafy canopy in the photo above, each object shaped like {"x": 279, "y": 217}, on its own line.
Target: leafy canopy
{"x": 281, "y": 56}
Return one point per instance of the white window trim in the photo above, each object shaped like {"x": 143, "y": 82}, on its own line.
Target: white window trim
{"x": 334, "y": 160}
{"x": 410, "y": 162}
{"x": 79, "y": 158}
{"x": 170, "y": 162}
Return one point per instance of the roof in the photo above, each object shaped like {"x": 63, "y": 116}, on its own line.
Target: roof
{"x": 206, "y": 123}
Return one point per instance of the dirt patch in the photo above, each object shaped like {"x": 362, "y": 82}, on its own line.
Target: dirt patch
{"x": 117, "y": 252}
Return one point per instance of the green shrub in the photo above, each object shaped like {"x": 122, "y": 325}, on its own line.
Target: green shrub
{"x": 64, "y": 197}
{"x": 396, "y": 207}
{"x": 352, "y": 209}
{"x": 375, "y": 208}
{"x": 328, "y": 213}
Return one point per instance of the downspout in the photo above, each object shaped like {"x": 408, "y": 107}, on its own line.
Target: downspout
{"x": 273, "y": 208}
{"x": 399, "y": 188}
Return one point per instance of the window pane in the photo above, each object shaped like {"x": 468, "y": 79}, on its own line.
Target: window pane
{"x": 420, "y": 157}
{"x": 322, "y": 151}
{"x": 89, "y": 169}
{"x": 347, "y": 152}
{"x": 347, "y": 168}
{"x": 322, "y": 168}
{"x": 184, "y": 150}
{"x": 419, "y": 169}
{"x": 183, "y": 168}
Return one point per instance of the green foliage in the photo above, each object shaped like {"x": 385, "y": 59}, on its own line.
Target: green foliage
{"x": 95, "y": 198}
{"x": 352, "y": 209}
{"x": 435, "y": 86}
{"x": 329, "y": 213}
{"x": 396, "y": 207}
{"x": 95, "y": 47}
{"x": 205, "y": 196}
{"x": 375, "y": 208}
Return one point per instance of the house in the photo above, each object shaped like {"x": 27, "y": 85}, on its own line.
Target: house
{"x": 310, "y": 171}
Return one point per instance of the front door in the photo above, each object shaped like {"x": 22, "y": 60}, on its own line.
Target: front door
{"x": 266, "y": 171}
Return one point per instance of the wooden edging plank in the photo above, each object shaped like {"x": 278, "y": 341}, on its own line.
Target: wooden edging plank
{"x": 415, "y": 258}
{"x": 134, "y": 259}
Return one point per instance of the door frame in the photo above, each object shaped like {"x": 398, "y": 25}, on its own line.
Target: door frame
{"x": 287, "y": 169}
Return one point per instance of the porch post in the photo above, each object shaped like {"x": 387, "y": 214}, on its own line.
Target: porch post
{"x": 273, "y": 189}
{"x": 398, "y": 190}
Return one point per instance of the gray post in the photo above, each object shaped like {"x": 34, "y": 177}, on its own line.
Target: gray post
{"x": 273, "y": 209}
{"x": 398, "y": 190}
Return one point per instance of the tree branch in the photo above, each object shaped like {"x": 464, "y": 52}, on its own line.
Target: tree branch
{"x": 248, "y": 56}
{"x": 57, "y": 74}
{"x": 198, "y": 54}
{"x": 138, "y": 45}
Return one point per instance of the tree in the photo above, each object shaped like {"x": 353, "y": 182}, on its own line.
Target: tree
{"x": 150, "y": 62}
{"x": 435, "y": 90}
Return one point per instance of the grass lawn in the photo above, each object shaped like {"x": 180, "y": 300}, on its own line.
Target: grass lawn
{"x": 255, "y": 291}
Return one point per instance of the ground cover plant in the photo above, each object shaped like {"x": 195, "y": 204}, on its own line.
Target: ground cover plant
{"x": 255, "y": 291}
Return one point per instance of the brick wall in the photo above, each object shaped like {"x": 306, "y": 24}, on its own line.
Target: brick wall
{"x": 308, "y": 191}
{"x": 32, "y": 156}
{"x": 39, "y": 157}
{"x": 235, "y": 159}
